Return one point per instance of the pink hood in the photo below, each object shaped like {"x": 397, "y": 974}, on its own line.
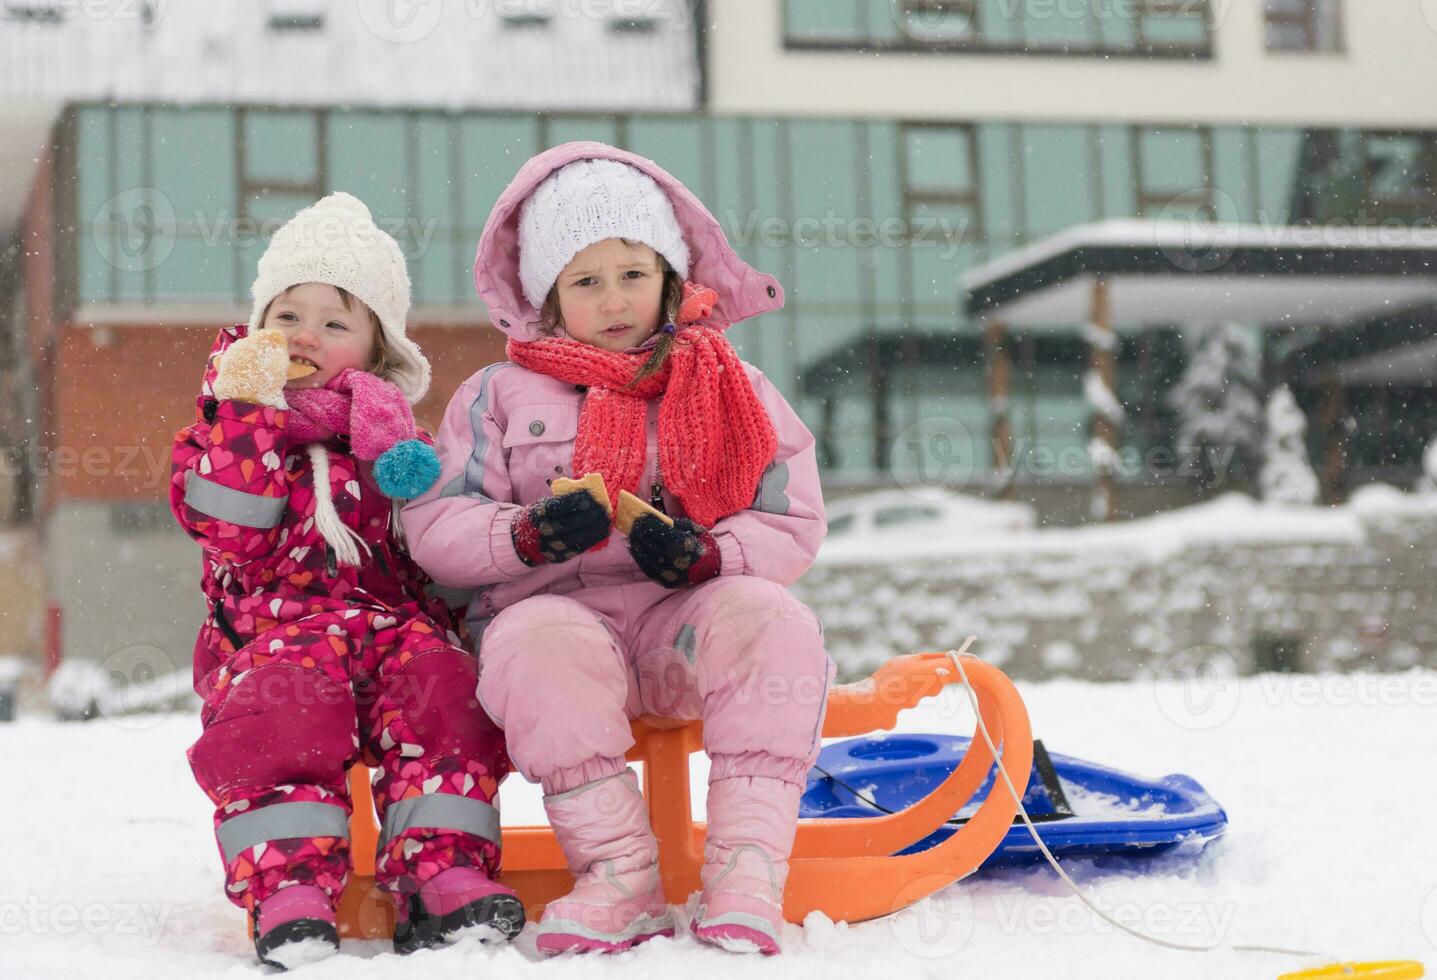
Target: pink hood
{"x": 742, "y": 291}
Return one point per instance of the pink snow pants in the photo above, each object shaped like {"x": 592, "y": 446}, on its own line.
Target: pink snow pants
{"x": 563, "y": 674}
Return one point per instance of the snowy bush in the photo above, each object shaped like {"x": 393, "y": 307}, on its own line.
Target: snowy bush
{"x": 1287, "y": 476}
{"x": 1219, "y": 412}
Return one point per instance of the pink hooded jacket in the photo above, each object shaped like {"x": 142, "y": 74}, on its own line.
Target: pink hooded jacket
{"x": 508, "y": 431}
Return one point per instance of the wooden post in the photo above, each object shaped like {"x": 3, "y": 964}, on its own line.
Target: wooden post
{"x": 1104, "y": 423}
{"x": 1334, "y": 440}
{"x": 1000, "y": 384}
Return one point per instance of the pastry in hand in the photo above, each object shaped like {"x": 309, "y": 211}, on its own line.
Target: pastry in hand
{"x": 631, "y": 508}
{"x": 592, "y": 482}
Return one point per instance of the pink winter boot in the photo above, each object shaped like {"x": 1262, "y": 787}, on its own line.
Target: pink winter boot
{"x": 618, "y": 898}
{"x": 751, "y": 825}
{"x": 458, "y": 902}
{"x": 294, "y": 926}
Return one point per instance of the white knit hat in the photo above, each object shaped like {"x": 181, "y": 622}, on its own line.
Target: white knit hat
{"x": 585, "y": 202}
{"x": 335, "y": 241}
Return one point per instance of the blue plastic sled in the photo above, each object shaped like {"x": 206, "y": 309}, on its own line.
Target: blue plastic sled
{"x": 1080, "y": 809}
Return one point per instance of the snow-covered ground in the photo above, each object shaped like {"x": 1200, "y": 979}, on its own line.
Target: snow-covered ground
{"x": 110, "y": 868}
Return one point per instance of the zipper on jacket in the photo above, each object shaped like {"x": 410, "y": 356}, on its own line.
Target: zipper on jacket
{"x": 383, "y": 562}
{"x": 331, "y": 560}
{"x": 223, "y": 623}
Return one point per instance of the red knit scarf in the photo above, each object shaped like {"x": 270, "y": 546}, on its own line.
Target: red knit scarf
{"x": 715, "y": 438}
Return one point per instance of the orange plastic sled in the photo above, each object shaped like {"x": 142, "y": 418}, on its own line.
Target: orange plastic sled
{"x": 843, "y": 868}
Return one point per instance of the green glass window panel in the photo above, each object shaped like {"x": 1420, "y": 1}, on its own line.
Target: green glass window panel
{"x": 1237, "y": 184}
{"x": 1119, "y": 180}
{"x": 1278, "y": 153}
{"x": 934, "y": 278}
{"x": 823, "y": 168}
{"x": 880, "y": 21}
{"x": 1058, "y": 186}
{"x": 194, "y": 166}
{"x": 198, "y": 269}
{"x": 566, "y": 129}
{"x": 1181, "y": 27}
{"x": 1059, "y": 25}
{"x": 369, "y": 158}
{"x": 823, "y": 19}
{"x": 92, "y": 190}
{"x": 282, "y": 147}
{"x": 1000, "y": 23}
{"x": 440, "y": 270}
{"x": 939, "y": 158}
{"x": 1172, "y": 160}
{"x": 731, "y": 168}
{"x": 999, "y": 180}
{"x": 675, "y": 144}
{"x": 130, "y": 150}
{"x": 1117, "y": 24}
{"x": 852, "y": 436}
{"x": 435, "y": 187}
{"x": 494, "y": 148}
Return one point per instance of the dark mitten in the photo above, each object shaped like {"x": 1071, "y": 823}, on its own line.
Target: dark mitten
{"x": 556, "y": 529}
{"x": 684, "y": 554}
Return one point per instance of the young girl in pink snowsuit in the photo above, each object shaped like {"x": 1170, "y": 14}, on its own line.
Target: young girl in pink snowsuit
{"x": 321, "y": 648}
{"x": 614, "y": 285}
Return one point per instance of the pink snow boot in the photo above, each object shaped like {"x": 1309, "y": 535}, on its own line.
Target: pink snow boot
{"x": 751, "y": 825}
{"x": 618, "y": 898}
{"x": 295, "y": 926}
{"x": 458, "y": 902}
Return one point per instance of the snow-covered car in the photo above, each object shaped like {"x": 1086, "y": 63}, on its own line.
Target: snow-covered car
{"x": 922, "y": 511}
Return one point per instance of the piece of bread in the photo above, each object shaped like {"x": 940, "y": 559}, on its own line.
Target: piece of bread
{"x": 592, "y": 482}
{"x": 299, "y": 370}
{"x": 631, "y": 508}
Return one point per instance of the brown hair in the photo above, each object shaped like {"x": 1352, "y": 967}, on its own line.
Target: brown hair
{"x": 670, "y": 298}
{"x": 382, "y": 361}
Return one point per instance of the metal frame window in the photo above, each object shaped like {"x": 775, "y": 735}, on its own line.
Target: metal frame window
{"x": 1159, "y": 29}
{"x": 1304, "y": 25}
{"x": 924, "y": 198}
{"x": 1192, "y": 198}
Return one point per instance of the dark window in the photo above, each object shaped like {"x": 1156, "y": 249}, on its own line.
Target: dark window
{"x": 525, "y": 21}
{"x": 634, "y": 25}
{"x": 1304, "y": 25}
{"x": 296, "y": 22}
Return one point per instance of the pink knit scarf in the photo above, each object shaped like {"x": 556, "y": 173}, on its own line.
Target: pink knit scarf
{"x": 369, "y": 410}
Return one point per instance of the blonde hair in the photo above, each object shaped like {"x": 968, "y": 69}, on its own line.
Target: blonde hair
{"x": 671, "y": 296}
{"x": 382, "y": 361}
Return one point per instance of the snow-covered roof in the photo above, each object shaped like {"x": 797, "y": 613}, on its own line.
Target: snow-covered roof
{"x": 1161, "y": 272}
{"x": 546, "y": 54}
{"x": 1405, "y": 365}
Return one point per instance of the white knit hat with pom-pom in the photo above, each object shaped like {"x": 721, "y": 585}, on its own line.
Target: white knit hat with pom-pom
{"x": 585, "y": 202}
{"x": 335, "y": 241}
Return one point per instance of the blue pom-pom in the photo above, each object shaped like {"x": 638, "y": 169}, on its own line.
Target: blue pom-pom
{"x": 406, "y": 469}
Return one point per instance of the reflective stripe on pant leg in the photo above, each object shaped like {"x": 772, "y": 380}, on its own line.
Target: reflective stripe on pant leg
{"x": 440, "y": 811}
{"x": 281, "y": 821}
